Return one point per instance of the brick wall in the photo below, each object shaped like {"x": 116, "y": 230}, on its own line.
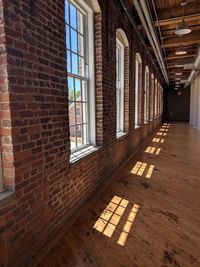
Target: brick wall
{"x": 34, "y": 120}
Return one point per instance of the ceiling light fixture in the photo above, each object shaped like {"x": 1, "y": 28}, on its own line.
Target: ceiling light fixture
{"x": 183, "y": 27}
{"x": 178, "y": 73}
{"x": 179, "y": 65}
{"x": 180, "y": 51}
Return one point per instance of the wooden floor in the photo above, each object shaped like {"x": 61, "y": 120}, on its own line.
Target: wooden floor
{"x": 148, "y": 216}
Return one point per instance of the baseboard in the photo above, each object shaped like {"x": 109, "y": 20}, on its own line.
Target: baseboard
{"x": 82, "y": 206}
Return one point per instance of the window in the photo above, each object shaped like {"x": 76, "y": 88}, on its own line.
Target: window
{"x": 120, "y": 85}
{"x": 80, "y": 70}
{"x": 138, "y": 74}
{"x": 156, "y": 98}
{"x": 122, "y": 82}
{"x": 146, "y": 95}
{"x": 1, "y": 176}
{"x": 152, "y": 97}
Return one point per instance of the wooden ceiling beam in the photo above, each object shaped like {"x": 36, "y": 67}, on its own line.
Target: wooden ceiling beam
{"x": 189, "y": 39}
{"x": 177, "y": 11}
{"x": 172, "y": 56}
{"x": 176, "y": 20}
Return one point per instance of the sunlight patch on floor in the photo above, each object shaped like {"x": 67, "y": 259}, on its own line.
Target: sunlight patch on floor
{"x": 153, "y": 150}
{"x": 128, "y": 225}
{"x": 111, "y": 216}
{"x": 142, "y": 169}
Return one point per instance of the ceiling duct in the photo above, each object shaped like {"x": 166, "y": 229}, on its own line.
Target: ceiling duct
{"x": 144, "y": 16}
{"x": 195, "y": 70}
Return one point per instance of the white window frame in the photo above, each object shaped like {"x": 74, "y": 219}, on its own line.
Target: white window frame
{"x": 120, "y": 116}
{"x": 1, "y": 175}
{"x": 146, "y": 95}
{"x": 156, "y": 98}
{"x": 89, "y": 53}
{"x": 138, "y": 61}
{"x": 152, "y": 97}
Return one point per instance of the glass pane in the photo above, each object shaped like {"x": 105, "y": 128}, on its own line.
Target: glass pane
{"x": 79, "y": 135}
{"x": 74, "y": 64}
{"x": 67, "y": 37}
{"x": 85, "y": 133}
{"x": 69, "y": 69}
{"x": 72, "y": 120}
{"x": 81, "y": 67}
{"x": 74, "y": 40}
{"x": 73, "y": 15}
{"x": 84, "y": 91}
{"x": 85, "y": 112}
{"x": 73, "y": 137}
{"x": 70, "y": 88}
{"x": 78, "y": 113}
{"x": 80, "y": 45}
{"x": 66, "y": 11}
{"x": 80, "y": 22}
{"x": 78, "y": 89}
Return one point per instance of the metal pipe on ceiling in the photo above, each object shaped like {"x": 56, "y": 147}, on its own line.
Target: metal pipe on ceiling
{"x": 128, "y": 13}
{"x": 146, "y": 21}
{"x": 195, "y": 70}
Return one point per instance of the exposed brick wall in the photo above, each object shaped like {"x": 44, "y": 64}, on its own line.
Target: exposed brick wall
{"x": 35, "y": 126}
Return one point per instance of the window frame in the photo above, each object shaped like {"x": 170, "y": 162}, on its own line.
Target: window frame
{"x": 1, "y": 175}
{"x": 89, "y": 64}
{"x": 121, "y": 66}
{"x": 156, "y": 98}
{"x": 146, "y": 94}
{"x": 138, "y": 69}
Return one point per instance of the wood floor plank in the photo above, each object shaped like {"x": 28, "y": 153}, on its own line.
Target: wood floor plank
{"x": 148, "y": 216}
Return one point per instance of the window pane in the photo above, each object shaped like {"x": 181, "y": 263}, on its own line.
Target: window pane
{"x": 79, "y": 135}
{"x": 79, "y": 114}
{"x": 81, "y": 66}
{"x": 74, "y": 64}
{"x": 85, "y": 113}
{"x": 74, "y": 40}
{"x": 73, "y": 137}
{"x": 73, "y": 16}
{"x": 80, "y": 22}
{"x": 67, "y": 37}
{"x": 78, "y": 89}
{"x": 80, "y": 45}
{"x": 85, "y": 133}
{"x": 68, "y": 61}
{"x": 66, "y": 11}
{"x": 70, "y": 89}
{"x": 84, "y": 91}
{"x": 72, "y": 120}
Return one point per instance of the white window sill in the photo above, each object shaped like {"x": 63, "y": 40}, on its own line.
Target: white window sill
{"x": 6, "y": 195}
{"x": 120, "y": 135}
{"x": 77, "y": 155}
{"x": 137, "y": 127}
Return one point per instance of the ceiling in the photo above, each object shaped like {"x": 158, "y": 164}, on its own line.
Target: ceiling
{"x": 166, "y": 16}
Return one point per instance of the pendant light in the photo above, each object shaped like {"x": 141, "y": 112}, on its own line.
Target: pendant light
{"x": 183, "y": 27}
{"x": 180, "y": 51}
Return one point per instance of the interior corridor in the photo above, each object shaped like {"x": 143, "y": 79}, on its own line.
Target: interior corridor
{"x": 148, "y": 215}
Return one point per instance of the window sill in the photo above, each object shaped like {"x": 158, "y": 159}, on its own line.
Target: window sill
{"x": 137, "y": 127}
{"x": 120, "y": 135}
{"x": 82, "y": 153}
{"x": 6, "y": 196}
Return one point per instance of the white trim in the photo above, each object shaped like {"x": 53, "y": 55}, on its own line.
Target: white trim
{"x": 1, "y": 175}
{"x": 121, "y": 66}
{"x": 82, "y": 153}
{"x": 89, "y": 50}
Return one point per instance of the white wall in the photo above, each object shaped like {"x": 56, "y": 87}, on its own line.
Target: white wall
{"x": 195, "y": 103}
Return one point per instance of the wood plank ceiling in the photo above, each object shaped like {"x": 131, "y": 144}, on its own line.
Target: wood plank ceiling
{"x": 167, "y": 15}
